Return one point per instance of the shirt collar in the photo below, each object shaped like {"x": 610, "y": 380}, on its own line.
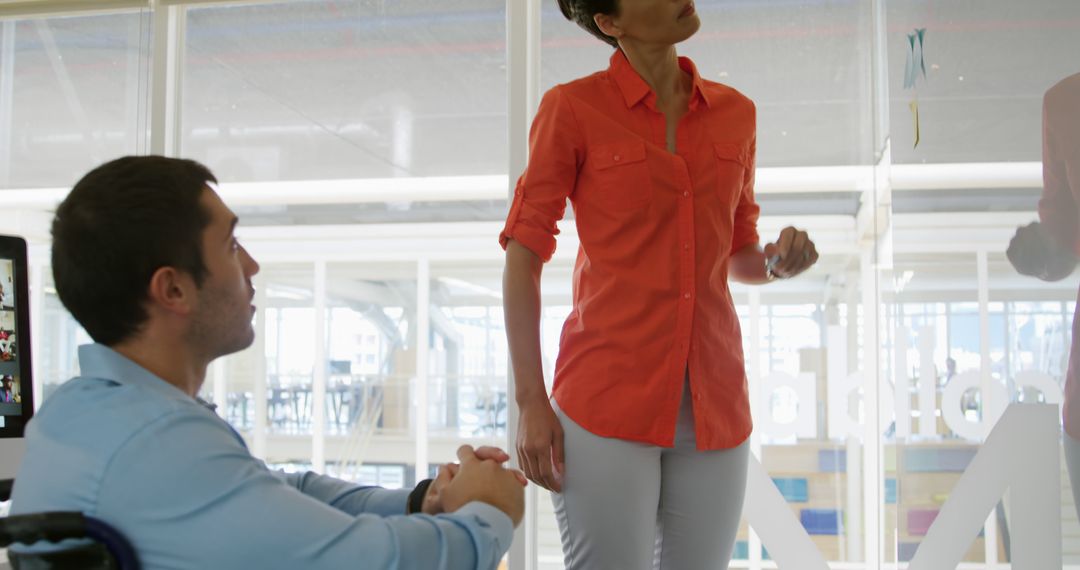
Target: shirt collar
{"x": 634, "y": 89}
{"x": 100, "y": 361}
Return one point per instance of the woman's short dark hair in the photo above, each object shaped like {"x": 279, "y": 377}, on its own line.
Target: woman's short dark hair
{"x": 581, "y": 12}
{"x": 120, "y": 224}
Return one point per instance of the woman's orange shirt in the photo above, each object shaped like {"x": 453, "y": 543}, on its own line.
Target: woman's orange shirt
{"x": 650, "y": 300}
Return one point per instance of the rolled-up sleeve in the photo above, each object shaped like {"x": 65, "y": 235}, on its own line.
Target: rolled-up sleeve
{"x": 745, "y": 231}
{"x": 541, "y": 193}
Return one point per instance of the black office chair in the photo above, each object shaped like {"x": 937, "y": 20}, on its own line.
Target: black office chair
{"x": 108, "y": 551}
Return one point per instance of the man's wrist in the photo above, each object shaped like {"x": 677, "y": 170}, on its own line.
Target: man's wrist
{"x": 415, "y": 503}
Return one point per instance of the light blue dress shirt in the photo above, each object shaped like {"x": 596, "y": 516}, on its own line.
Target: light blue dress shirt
{"x": 123, "y": 445}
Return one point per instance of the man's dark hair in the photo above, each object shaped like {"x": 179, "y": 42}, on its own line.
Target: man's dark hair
{"x": 120, "y": 224}
{"x": 581, "y": 12}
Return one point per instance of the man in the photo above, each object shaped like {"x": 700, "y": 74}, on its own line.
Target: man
{"x": 145, "y": 259}
{"x": 7, "y": 390}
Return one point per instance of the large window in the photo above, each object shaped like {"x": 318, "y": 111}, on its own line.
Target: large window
{"x": 73, "y": 94}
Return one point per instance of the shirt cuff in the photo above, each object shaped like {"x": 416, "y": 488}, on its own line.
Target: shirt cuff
{"x": 491, "y": 518}
{"x": 542, "y": 244}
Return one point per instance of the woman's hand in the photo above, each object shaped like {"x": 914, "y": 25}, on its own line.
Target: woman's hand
{"x": 795, "y": 253}
{"x": 540, "y": 444}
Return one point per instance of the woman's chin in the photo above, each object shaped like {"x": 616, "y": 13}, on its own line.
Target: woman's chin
{"x": 693, "y": 24}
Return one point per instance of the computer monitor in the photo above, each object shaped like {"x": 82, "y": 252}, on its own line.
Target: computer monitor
{"x": 16, "y": 381}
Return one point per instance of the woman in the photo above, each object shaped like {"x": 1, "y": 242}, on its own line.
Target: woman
{"x": 645, "y": 442}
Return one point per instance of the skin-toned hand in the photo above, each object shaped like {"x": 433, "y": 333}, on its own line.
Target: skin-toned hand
{"x": 796, "y": 251}
{"x": 433, "y": 504}
{"x": 540, "y": 445}
{"x": 485, "y": 481}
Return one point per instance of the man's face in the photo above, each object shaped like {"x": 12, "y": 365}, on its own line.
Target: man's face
{"x": 222, "y": 320}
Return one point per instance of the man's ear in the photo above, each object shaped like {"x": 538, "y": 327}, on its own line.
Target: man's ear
{"x": 608, "y": 25}
{"x": 172, "y": 291}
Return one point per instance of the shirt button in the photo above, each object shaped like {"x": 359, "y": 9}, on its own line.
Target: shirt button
{"x": 686, "y": 296}
{"x": 686, "y": 246}
{"x": 617, "y": 158}
{"x": 685, "y": 194}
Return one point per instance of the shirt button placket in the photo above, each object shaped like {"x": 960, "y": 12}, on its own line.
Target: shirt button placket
{"x": 688, "y": 232}
{"x": 685, "y": 210}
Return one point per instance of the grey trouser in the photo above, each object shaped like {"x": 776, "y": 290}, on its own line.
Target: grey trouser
{"x": 633, "y": 506}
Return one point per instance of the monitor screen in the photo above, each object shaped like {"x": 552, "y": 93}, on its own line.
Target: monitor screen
{"x": 16, "y": 395}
